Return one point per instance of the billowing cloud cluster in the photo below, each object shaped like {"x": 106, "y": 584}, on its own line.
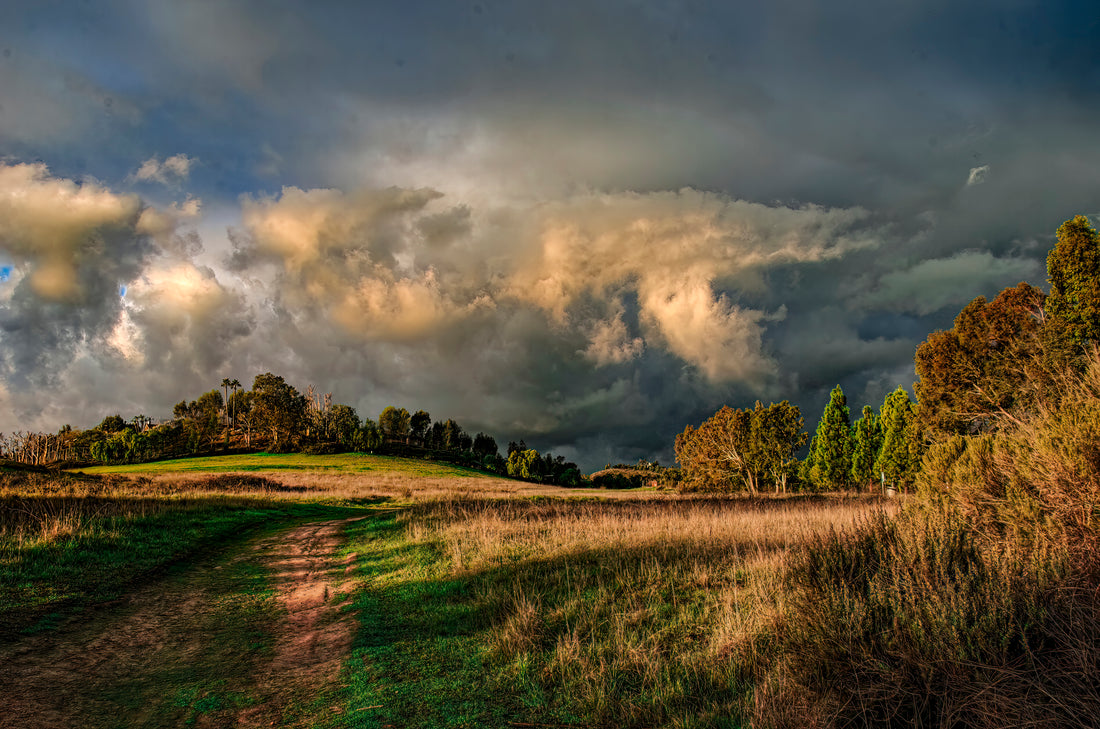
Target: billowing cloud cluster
{"x": 671, "y": 252}
{"x": 586, "y": 224}
{"x": 558, "y": 313}
{"x": 386, "y": 265}
{"x": 100, "y": 280}
{"x": 59, "y": 232}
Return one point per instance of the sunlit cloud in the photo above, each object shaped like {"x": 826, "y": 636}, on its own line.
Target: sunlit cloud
{"x": 977, "y": 175}
{"x": 57, "y": 227}
{"x": 172, "y": 170}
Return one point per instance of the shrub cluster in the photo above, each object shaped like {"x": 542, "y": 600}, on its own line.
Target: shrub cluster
{"x": 978, "y": 606}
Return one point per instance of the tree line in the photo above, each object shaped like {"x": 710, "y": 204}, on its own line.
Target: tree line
{"x": 274, "y": 416}
{"x": 756, "y": 449}
{"x": 997, "y": 362}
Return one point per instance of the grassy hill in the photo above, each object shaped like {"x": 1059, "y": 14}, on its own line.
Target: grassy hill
{"x": 279, "y": 462}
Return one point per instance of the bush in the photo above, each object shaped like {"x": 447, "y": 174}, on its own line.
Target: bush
{"x": 978, "y": 605}
{"x": 915, "y": 622}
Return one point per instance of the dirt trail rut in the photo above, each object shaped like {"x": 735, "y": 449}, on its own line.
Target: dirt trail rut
{"x": 314, "y": 638}
{"x": 123, "y": 664}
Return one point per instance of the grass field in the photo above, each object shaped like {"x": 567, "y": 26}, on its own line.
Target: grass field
{"x": 262, "y": 462}
{"x": 477, "y": 601}
{"x": 633, "y": 612}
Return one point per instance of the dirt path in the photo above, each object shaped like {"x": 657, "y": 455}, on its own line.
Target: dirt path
{"x": 314, "y": 638}
{"x": 213, "y": 647}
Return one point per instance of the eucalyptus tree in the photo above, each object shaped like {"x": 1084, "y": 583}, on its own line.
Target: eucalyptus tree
{"x": 1073, "y": 268}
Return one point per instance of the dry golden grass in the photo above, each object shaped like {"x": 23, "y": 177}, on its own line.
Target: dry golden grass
{"x": 637, "y": 608}
{"x": 644, "y": 610}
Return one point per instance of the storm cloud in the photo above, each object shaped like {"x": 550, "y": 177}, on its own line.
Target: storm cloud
{"x": 584, "y": 225}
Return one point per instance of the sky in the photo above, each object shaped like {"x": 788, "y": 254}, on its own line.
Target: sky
{"x": 583, "y": 224}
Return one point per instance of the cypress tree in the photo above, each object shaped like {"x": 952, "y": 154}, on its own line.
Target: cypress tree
{"x": 895, "y": 460}
{"x": 1073, "y": 268}
{"x": 832, "y": 467}
{"x": 867, "y": 441}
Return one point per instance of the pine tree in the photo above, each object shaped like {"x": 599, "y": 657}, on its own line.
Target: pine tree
{"x": 866, "y": 443}
{"x": 895, "y": 461}
{"x": 832, "y": 467}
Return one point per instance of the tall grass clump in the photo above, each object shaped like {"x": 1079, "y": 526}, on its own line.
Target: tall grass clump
{"x": 978, "y": 606}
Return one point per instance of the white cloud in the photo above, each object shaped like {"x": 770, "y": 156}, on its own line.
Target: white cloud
{"x": 609, "y": 341}
{"x": 977, "y": 175}
{"x": 674, "y": 251}
{"x": 172, "y": 170}
{"x": 386, "y": 265}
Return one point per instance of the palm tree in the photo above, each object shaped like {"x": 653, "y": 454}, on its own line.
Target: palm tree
{"x": 235, "y": 385}
{"x": 226, "y": 383}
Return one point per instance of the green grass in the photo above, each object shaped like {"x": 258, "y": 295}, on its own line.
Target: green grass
{"x": 341, "y": 463}
{"x": 569, "y": 613}
{"x": 44, "y": 581}
{"x": 182, "y": 686}
{"x": 421, "y": 656}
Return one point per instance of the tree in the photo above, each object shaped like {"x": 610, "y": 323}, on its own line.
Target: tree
{"x": 234, "y": 385}
{"x": 1073, "y": 269}
{"x": 435, "y": 436}
{"x": 278, "y": 408}
{"x": 735, "y": 447}
{"x": 240, "y": 402}
{"x": 226, "y": 383}
{"x": 419, "y": 424}
{"x": 485, "y": 445}
{"x": 370, "y": 436}
{"x": 394, "y": 423}
{"x": 866, "y": 443}
{"x": 832, "y": 457}
{"x": 345, "y": 425}
{"x": 112, "y": 424}
{"x": 206, "y": 412}
{"x": 525, "y": 464}
{"x": 895, "y": 460}
{"x": 452, "y": 436}
{"x": 777, "y": 436}
{"x": 982, "y": 366}
{"x": 717, "y": 454}
{"x": 806, "y": 466}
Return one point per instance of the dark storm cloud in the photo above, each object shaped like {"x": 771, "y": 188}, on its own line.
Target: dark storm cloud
{"x": 480, "y": 208}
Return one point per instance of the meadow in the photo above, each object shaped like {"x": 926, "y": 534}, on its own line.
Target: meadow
{"x": 477, "y": 601}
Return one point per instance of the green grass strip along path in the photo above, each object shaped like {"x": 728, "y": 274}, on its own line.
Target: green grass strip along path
{"x": 188, "y": 684}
